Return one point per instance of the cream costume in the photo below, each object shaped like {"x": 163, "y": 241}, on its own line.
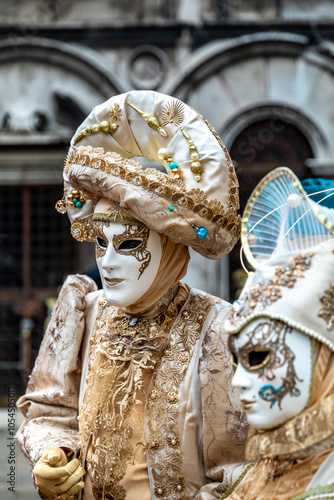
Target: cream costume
{"x": 282, "y": 343}
{"x": 142, "y": 393}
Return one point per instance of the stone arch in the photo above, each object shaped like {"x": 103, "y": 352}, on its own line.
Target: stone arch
{"x": 45, "y": 81}
{"x": 239, "y": 82}
{"x": 229, "y": 81}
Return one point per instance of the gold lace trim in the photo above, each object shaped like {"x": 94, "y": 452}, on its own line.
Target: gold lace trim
{"x": 119, "y": 353}
{"x": 233, "y": 183}
{"x": 163, "y": 443}
{"x": 307, "y": 434}
{"x": 326, "y": 491}
{"x": 164, "y": 186}
{"x": 234, "y": 486}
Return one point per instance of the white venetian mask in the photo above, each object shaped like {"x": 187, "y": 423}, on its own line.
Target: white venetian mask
{"x": 273, "y": 371}
{"x": 128, "y": 259}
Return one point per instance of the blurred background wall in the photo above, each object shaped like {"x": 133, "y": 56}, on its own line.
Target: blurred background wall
{"x": 260, "y": 71}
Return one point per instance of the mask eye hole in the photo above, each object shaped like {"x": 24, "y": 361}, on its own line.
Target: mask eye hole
{"x": 234, "y": 359}
{"x": 128, "y": 245}
{"x": 258, "y": 359}
{"x": 101, "y": 243}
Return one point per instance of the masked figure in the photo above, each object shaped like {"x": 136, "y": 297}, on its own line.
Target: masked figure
{"x": 282, "y": 343}
{"x": 135, "y": 379}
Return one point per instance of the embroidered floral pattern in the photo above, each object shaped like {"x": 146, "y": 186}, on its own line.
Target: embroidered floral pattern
{"x": 327, "y": 311}
{"x": 264, "y": 293}
{"x": 121, "y": 351}
{"x": 163, "y": 441}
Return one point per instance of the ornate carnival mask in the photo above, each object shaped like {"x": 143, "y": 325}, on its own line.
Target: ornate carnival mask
{"x": 128, "y": 254}
{"x": 273, "y": 365}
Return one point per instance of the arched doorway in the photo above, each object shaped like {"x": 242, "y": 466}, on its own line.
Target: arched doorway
{"x": 241, "y": 84}
{"x": 258, "y": 149}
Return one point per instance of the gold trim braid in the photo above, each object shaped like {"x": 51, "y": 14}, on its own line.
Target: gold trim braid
{"x": 164, "y": 186}
{"x": 114, "y": 218}
{"x": 326, "y": 491}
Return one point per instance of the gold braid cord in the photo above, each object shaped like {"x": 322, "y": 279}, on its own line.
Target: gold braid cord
{"x": 164, "y": 186}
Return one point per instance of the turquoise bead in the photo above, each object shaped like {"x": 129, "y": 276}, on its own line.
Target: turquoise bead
{"x": 202, "y": 232}
{"x": 74, "y": 200}
{"x": 78, "y": 204}
{"x": 173, "y": 165}
{"x": 171, "y": 209}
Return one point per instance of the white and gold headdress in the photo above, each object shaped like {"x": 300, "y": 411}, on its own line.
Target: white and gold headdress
{"x": 289, "y": 241}
{"x": 194, "y": 201}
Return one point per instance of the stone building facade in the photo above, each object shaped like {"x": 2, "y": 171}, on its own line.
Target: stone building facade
{"x": 261, "y": 72}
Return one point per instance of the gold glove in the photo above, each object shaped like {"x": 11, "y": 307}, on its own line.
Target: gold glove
{"x": 56, "y": 477}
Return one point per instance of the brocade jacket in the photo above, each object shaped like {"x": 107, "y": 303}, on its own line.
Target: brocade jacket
{"x": 193, "y": 431}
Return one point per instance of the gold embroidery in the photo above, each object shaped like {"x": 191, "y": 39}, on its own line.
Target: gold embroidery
{"x": 162, "y": 185}
{"x": 309, "y": 433}
{"x": 119, "y": 353}
{"x": 98, "y": 230}
{"x": 264, "y": 293}
{"x": 115, "y": 112}
{"x": 233, "y": 181}
{"x": 326, "y": 491}
{"x": 165, "y": 457}
{"x": 327, "y": 311}
{"x": 140, "y": 253}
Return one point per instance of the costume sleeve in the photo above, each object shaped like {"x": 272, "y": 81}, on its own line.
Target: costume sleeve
{"x": 224, "y": 422}
{"x": 50, "y": 405}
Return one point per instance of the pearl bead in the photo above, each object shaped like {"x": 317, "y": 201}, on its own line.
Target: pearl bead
{"x": 104, "y": 126}
{"x": 294, "y": 200}
{"x": 173, "y": 165}
{"x": 162, "y": 152}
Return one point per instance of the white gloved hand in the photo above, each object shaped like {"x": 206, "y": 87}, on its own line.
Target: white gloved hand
{"x": 56, "y": 477}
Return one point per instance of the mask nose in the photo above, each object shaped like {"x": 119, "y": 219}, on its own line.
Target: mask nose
{"x": 241, "y": 378}
{"x": 108, "y": 261}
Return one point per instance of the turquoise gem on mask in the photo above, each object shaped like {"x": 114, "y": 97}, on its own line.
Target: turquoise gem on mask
{"x": 78, "y": 204}
{"x": 202, "y": 232}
